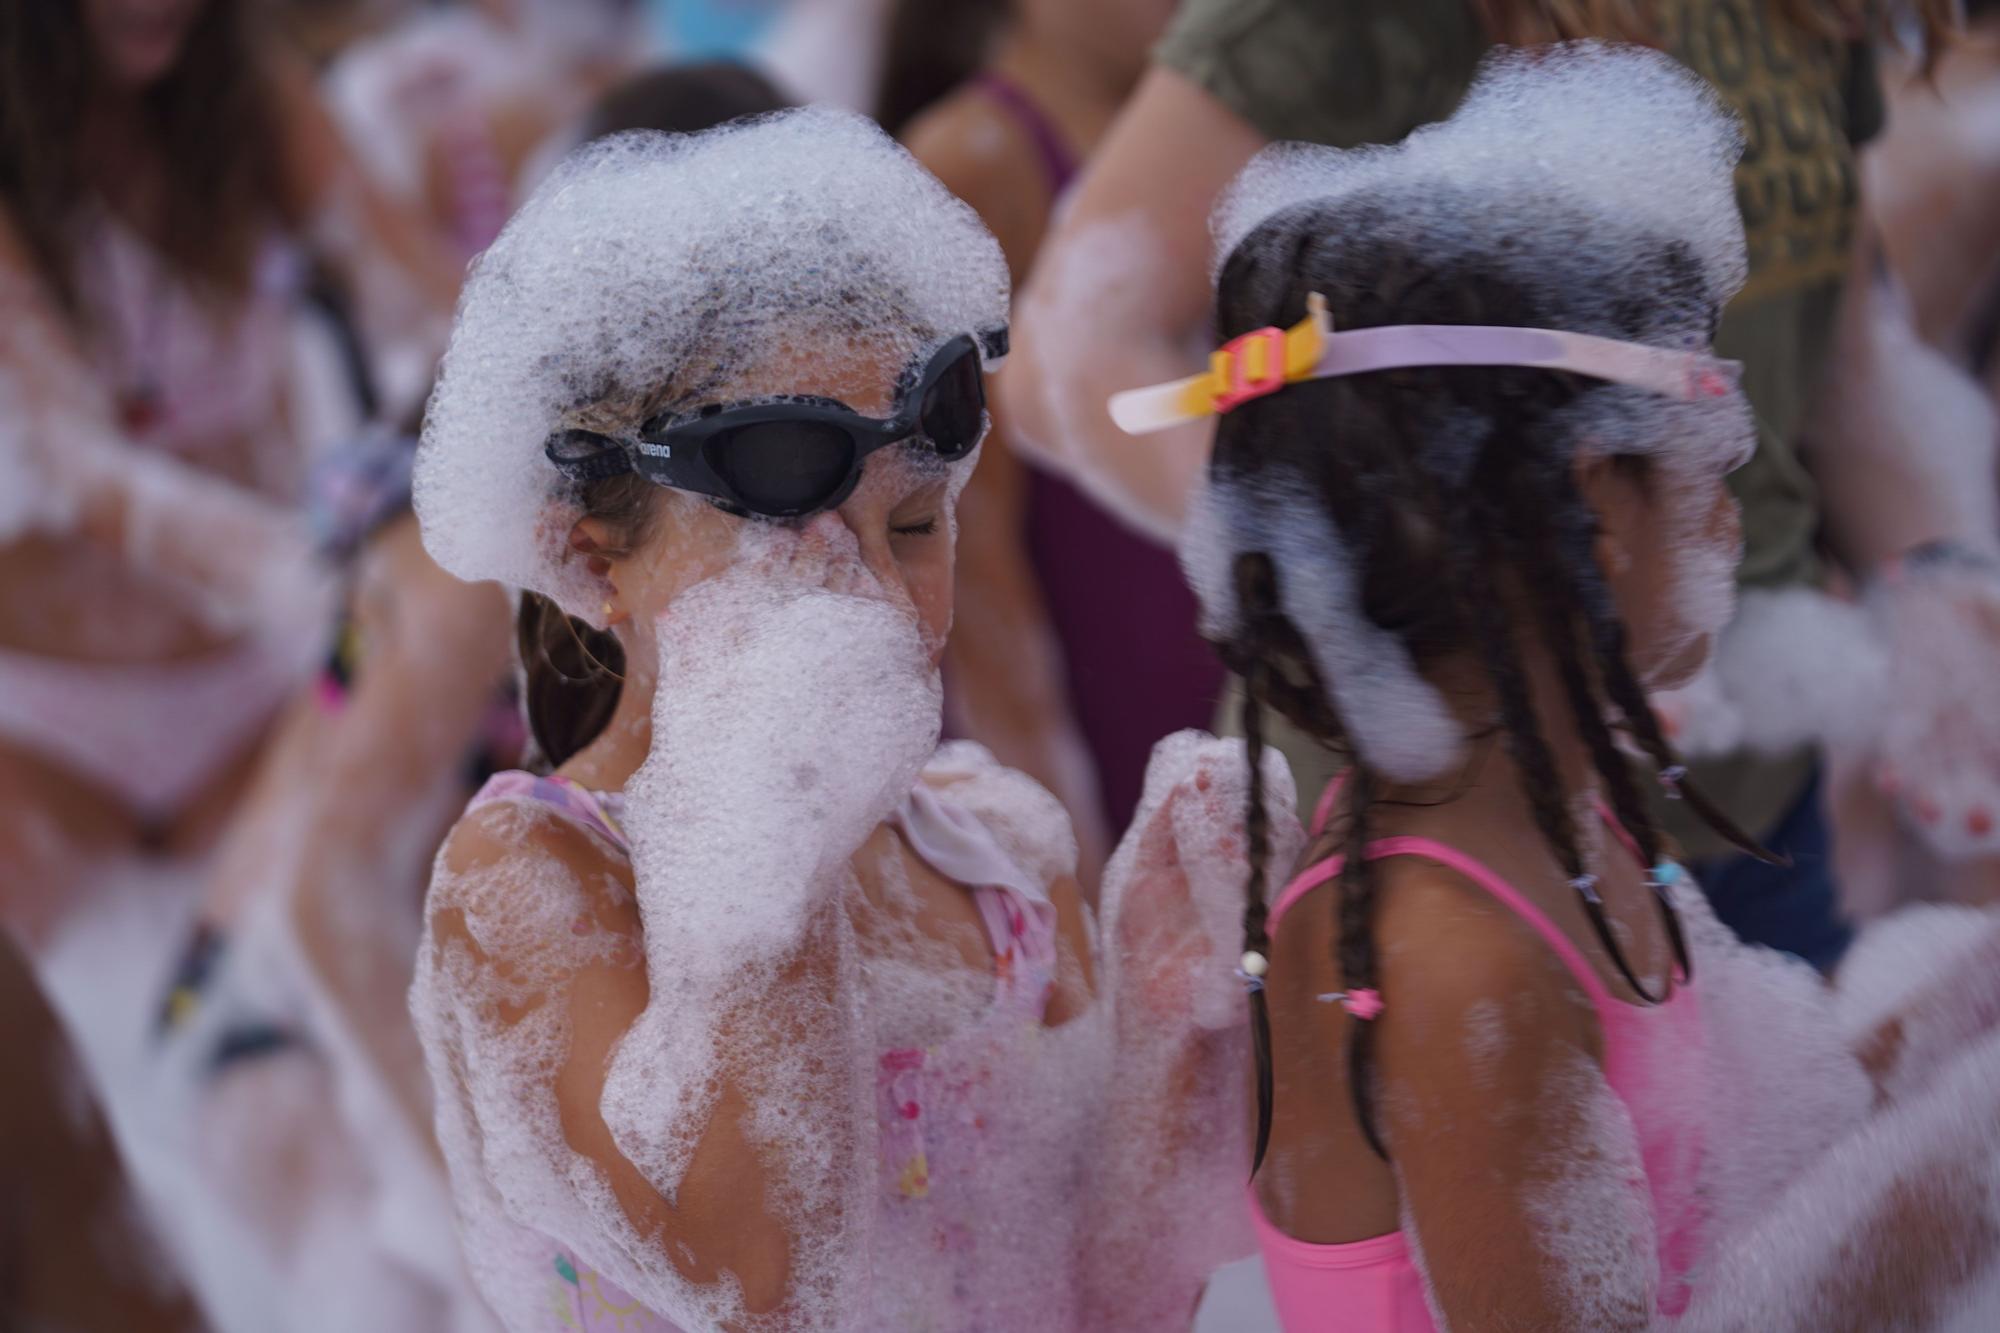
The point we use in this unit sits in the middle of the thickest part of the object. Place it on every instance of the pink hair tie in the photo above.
(1363, 1004)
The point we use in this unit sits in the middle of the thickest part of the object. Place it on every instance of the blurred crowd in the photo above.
(239, 705)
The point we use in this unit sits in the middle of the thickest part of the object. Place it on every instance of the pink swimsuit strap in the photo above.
(1471, 868)
(558, 793)
(1374, 1284)
(1475, 870)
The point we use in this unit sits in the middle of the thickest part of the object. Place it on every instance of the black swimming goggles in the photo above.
(784, 457)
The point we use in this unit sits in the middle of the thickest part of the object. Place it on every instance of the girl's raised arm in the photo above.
(533, 1008)
(661, 1061)
(1175, 1153)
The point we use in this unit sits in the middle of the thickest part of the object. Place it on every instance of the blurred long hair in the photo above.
(213, 120)
(930, 47)
(1520, 22)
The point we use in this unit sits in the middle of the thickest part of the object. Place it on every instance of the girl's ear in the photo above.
(591, 539)
(1616, 496)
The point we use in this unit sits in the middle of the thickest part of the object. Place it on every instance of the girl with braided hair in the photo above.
(1465, 509)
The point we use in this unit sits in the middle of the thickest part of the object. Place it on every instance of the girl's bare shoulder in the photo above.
(1452, 958)
(516, 876)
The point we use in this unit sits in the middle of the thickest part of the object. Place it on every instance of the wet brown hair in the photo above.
(930, 47)
(1453, 492)
(213, 118)
(571, 672)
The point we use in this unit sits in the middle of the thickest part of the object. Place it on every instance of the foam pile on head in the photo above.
(653, 271)
(1592, 184)
(1620, 133)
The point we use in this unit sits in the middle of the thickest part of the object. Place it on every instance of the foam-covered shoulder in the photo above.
(515, 878)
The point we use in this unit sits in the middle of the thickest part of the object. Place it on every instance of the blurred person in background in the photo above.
(163, 172)
(1119, 295)
(451, 107)
(1920, 382)
(1073, 649)
(75, 1251)
(1933, 186)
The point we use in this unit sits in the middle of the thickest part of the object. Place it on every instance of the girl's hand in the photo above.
(796, 705)
(1940, 743)
(1174, 893)
(1919, 989)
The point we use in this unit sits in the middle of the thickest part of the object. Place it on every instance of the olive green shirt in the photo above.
(1347, 72)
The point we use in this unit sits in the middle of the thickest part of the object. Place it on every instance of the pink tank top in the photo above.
(1652, 1055)
(929, 1100)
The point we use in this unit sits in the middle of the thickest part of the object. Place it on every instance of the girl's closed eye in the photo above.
(924, 527)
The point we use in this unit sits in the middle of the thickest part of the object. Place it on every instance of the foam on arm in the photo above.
(1120, 297)
(65, 467)
(1522, 1189)
(530, 983)
(1175, 1152)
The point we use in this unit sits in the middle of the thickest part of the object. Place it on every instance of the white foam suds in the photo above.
(1614, 131)
(655, 267)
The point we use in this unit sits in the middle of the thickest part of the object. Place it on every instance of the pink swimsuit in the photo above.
(931, 1102)
(1652, 1055)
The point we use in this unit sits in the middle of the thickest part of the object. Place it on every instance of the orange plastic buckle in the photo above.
(1240, 382)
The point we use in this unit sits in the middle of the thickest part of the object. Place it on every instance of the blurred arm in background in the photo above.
(74, 1251)
(1902, 441)
(1120, 297)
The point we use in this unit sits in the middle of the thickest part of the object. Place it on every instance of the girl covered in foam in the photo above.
(760, 1011)
(1465, 508)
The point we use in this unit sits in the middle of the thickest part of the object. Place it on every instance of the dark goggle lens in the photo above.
(954, 408)
(783, 469)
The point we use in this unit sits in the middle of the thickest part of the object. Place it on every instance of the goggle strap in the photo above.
(611, 461)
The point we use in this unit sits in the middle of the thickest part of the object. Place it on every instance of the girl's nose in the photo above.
(830, 532)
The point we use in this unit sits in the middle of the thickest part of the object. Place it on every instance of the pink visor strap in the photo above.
(1686, 376)
(1676, 374)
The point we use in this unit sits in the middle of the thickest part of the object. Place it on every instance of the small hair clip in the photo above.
(1666, 875)
(1671, 778)
(1250, 971)
(1587, 886)
(1362, 1003)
